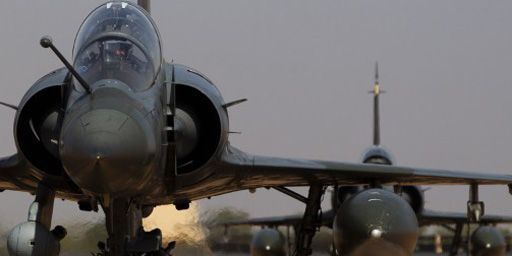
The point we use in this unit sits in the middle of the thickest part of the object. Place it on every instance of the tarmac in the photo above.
(241, 254)
(416, 254)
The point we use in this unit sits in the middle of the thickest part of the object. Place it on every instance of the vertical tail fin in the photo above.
(376, 118)
(376, 72)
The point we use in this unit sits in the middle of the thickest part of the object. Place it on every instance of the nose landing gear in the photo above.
(126, 236)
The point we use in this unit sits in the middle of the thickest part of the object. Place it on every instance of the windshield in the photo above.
(118, 41)
(377, 155)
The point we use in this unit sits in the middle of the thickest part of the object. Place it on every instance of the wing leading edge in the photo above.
(431, 217)
(17, 174)
(278, 221)
(262, 171)
(12, 170)
(427, 217)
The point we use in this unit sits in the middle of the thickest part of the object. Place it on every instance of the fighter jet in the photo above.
(121, 129)
(414, 195)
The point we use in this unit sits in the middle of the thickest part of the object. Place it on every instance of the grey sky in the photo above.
(306, 67)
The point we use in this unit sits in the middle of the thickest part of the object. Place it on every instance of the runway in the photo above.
(241, 254)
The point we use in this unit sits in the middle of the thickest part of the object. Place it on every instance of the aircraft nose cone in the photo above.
(107, 151)
(375, 217)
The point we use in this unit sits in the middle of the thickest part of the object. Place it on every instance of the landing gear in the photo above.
(126, 236)
(475, 207)
(310, 221)
(34, 238)
(312, 218)
(457, 240)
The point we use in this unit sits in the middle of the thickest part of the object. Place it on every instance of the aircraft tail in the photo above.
(376, 117)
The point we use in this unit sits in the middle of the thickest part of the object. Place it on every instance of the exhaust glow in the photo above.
(184, 227)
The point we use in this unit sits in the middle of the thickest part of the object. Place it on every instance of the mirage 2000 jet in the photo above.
(121, 129)
(268, 241)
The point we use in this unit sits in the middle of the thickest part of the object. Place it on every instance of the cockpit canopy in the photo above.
(118, 40)
(377, 155)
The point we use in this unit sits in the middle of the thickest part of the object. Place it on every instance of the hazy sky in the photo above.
(306, 67)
